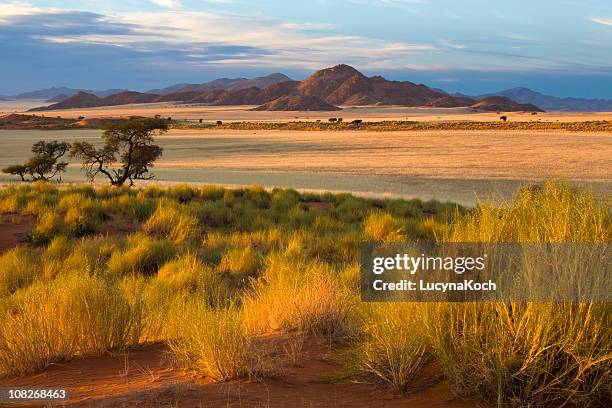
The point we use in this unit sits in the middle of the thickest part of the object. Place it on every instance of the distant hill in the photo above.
(344, 85)
(53, 94)
(341, 85)
(503, 104)
(296, 103)
(88, 100)
(127, 97)
(58, 98)
(227, 84)
(526, 95)
(452, 102)
(79, 100)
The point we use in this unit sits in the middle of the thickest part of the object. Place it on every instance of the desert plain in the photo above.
(464, 166)
(459, 166)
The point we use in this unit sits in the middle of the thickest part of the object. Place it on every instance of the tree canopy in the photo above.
(44, 164)
(127, 153)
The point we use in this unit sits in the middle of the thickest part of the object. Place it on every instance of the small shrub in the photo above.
(382, 227)
(188, 273)
(142, 255)
(18, 269)
(296, 295)
(217, 344)
(172, 221)
(240, 262)
(393, 346)
(48, 225)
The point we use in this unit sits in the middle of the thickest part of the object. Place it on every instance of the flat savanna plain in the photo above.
(529, 155)
(348, 113)
(451, 165)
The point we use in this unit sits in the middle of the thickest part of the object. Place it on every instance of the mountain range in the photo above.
(553, 103)
(228, 84)
(327, 89)
(54, 94)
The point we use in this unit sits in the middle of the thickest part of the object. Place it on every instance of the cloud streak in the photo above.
(602, 21)
(169, 4)
(167, 39)
(262, 41)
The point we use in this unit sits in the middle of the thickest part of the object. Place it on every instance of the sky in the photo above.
(559, 47)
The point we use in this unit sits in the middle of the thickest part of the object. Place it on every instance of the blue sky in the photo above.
(558, 47)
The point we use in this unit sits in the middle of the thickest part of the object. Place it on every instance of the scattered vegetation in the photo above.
(44, 164)
(212, 272)
(389, 126)
(127, 153)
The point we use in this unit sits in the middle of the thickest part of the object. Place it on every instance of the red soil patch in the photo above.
(14, 229)
(144, 377)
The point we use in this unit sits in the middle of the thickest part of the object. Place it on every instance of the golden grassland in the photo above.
(209, 270)
(461, 155)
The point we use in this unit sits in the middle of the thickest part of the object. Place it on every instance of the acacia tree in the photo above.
(44, 164)
(127, 153)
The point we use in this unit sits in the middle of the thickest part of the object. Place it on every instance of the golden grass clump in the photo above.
(526, 354)
(19, 267)
(529, 354)
(48, 225)
(240, 263)
(141, 255)
(299, 295)
(53, 321)
(172, 221)
(188, 273)
(216, 343)
(392, 345)
(382, 227)
(554, 212)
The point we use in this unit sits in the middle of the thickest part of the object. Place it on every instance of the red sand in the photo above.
(13, 229)
(145, 377)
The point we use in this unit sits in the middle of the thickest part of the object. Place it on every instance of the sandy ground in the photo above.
(527, 155)
(13, 230)
(242, 113)
(145, 377)
(460, 166)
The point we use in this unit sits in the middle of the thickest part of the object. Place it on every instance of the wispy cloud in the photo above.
(602, 21)
(263, 42)
(450, 44)
(169, 4)
(403, 4)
